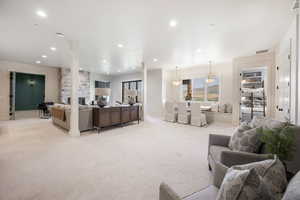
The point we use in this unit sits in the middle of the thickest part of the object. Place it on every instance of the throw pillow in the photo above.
(236, 134)
(264, 122)
(248, 142)
(257, 122)
(228, 108)
(271, 124)
(272, 172)
(245, 139)
(241, 185)
(215, 107)
(222, 108)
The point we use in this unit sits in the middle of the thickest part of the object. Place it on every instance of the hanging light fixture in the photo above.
(177, 81)
(210, 76)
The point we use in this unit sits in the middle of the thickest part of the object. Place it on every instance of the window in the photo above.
(199, 89)
(132, 89)
(102, 84)
(213, 90)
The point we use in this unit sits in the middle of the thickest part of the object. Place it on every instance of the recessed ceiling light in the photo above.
(107, 73)
(120, 45)
(44, 56)
(80, 69)
(155, 59)
(119, 70)
(38, 62)
(199, 51)
(41, 14)
(53, 48)
(104, 61)
(173, 23)
(60, 35)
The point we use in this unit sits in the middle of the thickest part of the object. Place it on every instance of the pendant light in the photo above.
(177, 81)
(210, 76)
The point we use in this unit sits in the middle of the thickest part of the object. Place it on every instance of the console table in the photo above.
(110, 116)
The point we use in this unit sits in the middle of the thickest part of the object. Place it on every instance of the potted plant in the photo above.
(279, 142)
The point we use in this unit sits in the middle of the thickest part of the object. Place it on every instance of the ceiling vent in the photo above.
(262, 51)
(295, 5)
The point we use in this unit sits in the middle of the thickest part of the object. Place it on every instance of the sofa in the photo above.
(292, 191)
(219, 150)
(61, 115)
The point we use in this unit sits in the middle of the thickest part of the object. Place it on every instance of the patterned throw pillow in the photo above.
(234, 140)
(267, 123)
(245, 139)
(241, 185)
(272, 173)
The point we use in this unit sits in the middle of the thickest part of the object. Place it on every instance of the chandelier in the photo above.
(177, 81)
(210, 76)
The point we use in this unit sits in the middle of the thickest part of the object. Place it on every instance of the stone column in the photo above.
(74, 120)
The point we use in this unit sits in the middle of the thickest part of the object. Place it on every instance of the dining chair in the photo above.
(170, 113)
(184, 116)
(198, 118)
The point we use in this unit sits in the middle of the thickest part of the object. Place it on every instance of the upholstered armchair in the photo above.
(170, 114)
(184, 117)
(219, 151)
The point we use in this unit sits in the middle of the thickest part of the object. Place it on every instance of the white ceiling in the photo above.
(240, 28)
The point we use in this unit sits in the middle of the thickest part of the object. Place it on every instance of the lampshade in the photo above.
(176, 82)
(131, 93)
(102, 91)
(210, 76)
(210, 79)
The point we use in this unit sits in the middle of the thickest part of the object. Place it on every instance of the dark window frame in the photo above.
(129, 82)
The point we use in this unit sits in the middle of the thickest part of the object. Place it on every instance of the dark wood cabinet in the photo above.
(134, 113)
(105, 117)
(125, 114)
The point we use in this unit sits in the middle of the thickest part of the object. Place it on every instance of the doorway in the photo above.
(28, 93)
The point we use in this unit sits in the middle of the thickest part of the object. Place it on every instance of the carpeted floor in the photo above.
(40, 161)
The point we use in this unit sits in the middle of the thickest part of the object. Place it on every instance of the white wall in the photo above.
(51, 82)
(287, 46)
(154, 92)
(222, 70)
(116, 84)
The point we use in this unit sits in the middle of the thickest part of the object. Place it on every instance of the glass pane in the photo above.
(126, 85)
(133, 85)
(198, 89)
(213, 90)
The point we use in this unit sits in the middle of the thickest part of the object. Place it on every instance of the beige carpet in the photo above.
(40, 161)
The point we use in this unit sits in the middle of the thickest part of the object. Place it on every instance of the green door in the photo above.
(30, 91)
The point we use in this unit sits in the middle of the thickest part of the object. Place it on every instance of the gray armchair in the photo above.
(208, 193)
(218, 151)
(211, 192)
